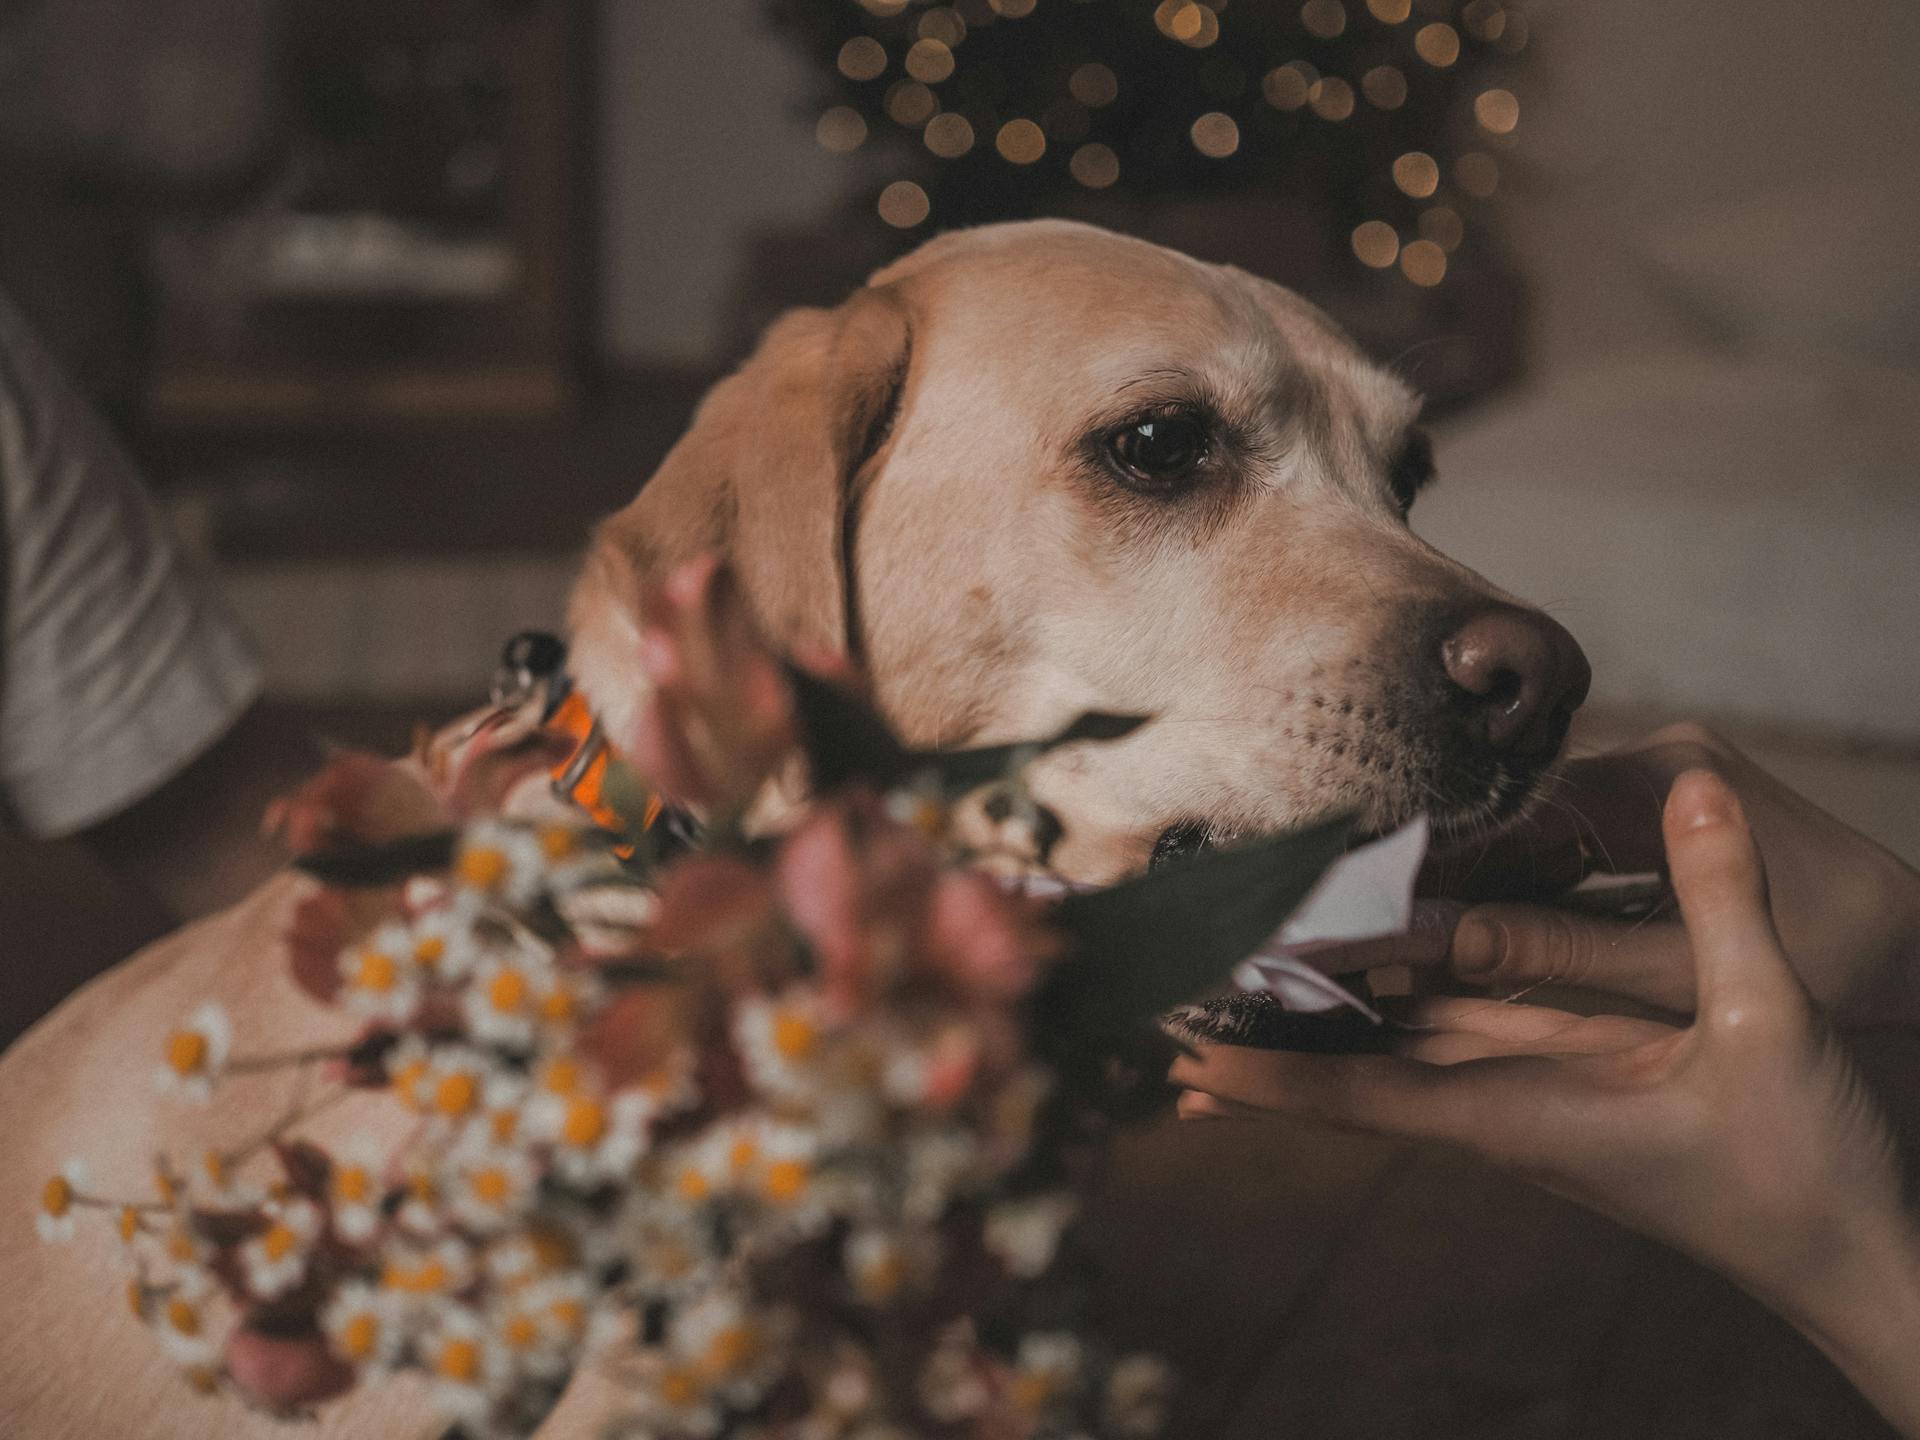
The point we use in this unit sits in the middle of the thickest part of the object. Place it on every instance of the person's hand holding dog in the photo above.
(1747, 1140)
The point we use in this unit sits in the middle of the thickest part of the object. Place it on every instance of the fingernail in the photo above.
(1700, 798)
(1479, 945)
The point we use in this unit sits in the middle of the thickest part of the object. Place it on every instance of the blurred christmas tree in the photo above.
(1378, 122)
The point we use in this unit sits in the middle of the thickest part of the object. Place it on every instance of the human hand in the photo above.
(1848, 912)
(1747, 1140)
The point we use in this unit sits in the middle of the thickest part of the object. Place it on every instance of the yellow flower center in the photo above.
(359, 1335)
(164, 1187)
(787, 1180)
(571, 1315)
(505, 1122)
(215, 1165)
(557, 1005)
(376, 971)
(455, 1094)
(561, 1077)
(137, 1299)
(743, 1154)
(129, 1223)
(693, 1186)
(794, 1036)
(56, 1196)
(277, 1244)
(731, 1350)
(557, 842)
(186, 1052)
(483, 867)
(459, 1361)
(585, 1123)
(491, 1185)
(181, 1247)
(352, 1185)
(203, 1380)
(429, 951)
(406, 1081)
(882, 1279)
(428, 1277)
(507, 991)
(183, 1317)
(521, 1332)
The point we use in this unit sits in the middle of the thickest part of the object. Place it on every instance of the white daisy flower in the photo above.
(445, 1083)
(220, 1187)
(504, 863)
(782, 1042)
(1046, 1370)
(275, 1261)
(502, 1116)
(469, 1367)
(671, 1250)
(355, 1189)
(564, 997)
(1025, 1233)
(501, 1005)
(378, 980)
(366, 1327)
(425, 1275)
(594, 1138)
(184, 1319)
(880, 1264)
(545, 1324)
(442, 948)
(54, 1217)
(737, 1351)
(487, 1186)
(195, 1054)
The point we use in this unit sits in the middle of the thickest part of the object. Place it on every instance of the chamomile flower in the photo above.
(220, 1184)
(671, 1251)
(54, 1217)
(543, 1325)
(488, 1186)
(423, 1210)
(365, 1326)
(737, 1350)
(526, 1256)
(442, 948)
(674, 1087)
(195, 1054)
(469, 1367)
(275, 1261)
(183, 1319)
(502, 1116)
(428, 1275)
(355, 1190)
(1139, 1391)
(378, 980)
(1025, 1233)
(1046, 1371)
(445, 1083)
(786, 1176)
(563, 998)
(781, 1042)
(503, 863)
(880, 1264)
(501, 1005)
(594, 1138)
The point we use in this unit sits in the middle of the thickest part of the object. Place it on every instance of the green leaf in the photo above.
(1172, 935)
(370, 866)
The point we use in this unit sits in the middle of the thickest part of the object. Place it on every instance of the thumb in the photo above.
(1718, 878)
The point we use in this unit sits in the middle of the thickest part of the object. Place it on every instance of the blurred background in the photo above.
(393, 298)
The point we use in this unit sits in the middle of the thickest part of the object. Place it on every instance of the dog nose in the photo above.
(1522, 676)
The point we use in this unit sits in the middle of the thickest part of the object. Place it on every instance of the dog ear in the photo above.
(765, 475)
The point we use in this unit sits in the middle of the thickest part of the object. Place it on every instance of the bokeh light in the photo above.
(904, 204)
(1497, 111)
(1021, 141)
(862, 58)
(1094, 85)
(929, 61)
(841, 130)
(1324, 19)
(1376, 244)
(911, 103)
(1417, 174)
(1442, 225)
(1385, 86)
(1423, 262)
(943, 25)
(1013, 9)
(1390, 12)
(1331, 98)
(948, 135)
(1287, 85)
(1095, 166)
(1438, 44)
(1215, 135)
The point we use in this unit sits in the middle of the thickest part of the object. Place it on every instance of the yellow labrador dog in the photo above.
(1028, 471)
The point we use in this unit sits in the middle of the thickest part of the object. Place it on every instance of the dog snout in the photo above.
(1517, 676)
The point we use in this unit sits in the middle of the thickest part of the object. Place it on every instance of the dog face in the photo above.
(1039, 469)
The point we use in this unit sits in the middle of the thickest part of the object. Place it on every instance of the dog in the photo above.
(1028, 471)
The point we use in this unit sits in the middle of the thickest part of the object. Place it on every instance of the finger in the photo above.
(1513, 945)
(1425, 942)
(1472, 1105)
(1743, 975)
(1450, 1032)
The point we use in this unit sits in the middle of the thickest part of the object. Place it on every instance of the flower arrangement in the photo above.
(783, 1118)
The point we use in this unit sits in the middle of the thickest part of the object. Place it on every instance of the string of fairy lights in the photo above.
(907, 75)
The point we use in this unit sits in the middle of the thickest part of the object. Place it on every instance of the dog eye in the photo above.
(1159, 452)
(1412, 469)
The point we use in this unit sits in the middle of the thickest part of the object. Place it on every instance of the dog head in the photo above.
(1037, 469)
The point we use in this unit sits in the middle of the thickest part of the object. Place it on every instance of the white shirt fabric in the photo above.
(118, 665)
